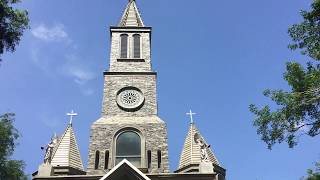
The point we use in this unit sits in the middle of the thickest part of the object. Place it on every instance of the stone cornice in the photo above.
(129, 73)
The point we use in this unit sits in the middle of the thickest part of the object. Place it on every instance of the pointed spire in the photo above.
(66, 154)
(191, 152)
(131, 16)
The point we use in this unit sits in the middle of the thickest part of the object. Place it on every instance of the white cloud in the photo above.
(39, 61)
(88, 92)
(72, 65)
(56, 33)
(81, 76)
(51, 122)
(73, 68)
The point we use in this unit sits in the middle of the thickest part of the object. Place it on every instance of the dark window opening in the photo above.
(96, 163)
(159, 159)
(124, 46)
(136, 46)
(149, 158)
(106, 160)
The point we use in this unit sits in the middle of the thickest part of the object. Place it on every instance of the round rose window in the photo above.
(130, 98)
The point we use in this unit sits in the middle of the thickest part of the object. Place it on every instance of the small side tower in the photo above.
(197, 156)
(62, 155)
(66, 159)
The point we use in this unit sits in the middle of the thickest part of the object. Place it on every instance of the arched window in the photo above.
(106, 159)
(136, 46)
(124, 46)
(128, 146)
(96, 162)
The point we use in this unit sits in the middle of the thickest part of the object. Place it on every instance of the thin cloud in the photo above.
(70, 65)
(56, 33)
(88, 92)
(73, 68)
(51, 123)
(81, 76)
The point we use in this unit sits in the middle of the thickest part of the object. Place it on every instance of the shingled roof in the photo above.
(131, 16)
(191, 153)
(66, 153)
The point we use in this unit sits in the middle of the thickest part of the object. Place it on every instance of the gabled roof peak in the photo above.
(131, 16)
(125, 168)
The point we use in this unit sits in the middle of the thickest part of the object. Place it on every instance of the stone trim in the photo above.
(130, 60)
(130, 28)
(129, 73)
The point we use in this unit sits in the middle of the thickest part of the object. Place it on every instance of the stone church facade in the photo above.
(129, 140)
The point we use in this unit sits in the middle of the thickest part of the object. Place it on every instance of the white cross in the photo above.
(191, 115)
(71, 114)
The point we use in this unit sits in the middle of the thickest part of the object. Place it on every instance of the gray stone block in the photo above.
(206, 167)
(45, 170)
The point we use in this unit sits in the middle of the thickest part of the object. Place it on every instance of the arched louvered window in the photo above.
(136, 46)
(124, 46)
(106, 159)
(149, 158)
(96, 162)
(128, 146)
(159, 159)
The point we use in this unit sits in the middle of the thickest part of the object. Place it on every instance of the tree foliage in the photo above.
(298, 110)
(13, 23)
(306, 35)
(313, 174)
(9, 169)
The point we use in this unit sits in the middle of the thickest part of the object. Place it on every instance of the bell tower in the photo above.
(129, 127)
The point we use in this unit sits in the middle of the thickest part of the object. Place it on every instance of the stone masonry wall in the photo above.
(153, 137)
(113, 83)
(129, 66)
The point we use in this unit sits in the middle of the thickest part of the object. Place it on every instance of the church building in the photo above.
(129, 140)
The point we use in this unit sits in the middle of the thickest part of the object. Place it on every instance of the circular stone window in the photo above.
(130, 98)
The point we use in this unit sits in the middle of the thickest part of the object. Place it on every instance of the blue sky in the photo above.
(215, 57)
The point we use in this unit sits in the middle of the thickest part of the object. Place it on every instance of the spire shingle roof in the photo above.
(131, 16)
(66, 153)
(191, 152)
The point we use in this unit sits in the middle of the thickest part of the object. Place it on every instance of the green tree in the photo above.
(313, 174)
(298, 110)
(13, 23)
(9, 169)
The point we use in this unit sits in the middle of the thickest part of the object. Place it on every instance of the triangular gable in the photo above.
(125, 170)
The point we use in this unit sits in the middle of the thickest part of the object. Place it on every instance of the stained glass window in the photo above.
(128, 146)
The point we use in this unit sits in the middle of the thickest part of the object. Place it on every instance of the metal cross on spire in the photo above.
(190, 113)
(71, 114)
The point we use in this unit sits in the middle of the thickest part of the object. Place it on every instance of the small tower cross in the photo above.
(190, 113)
(71, 114)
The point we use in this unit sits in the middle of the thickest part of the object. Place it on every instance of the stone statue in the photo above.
(49, 149)
(203, 148)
